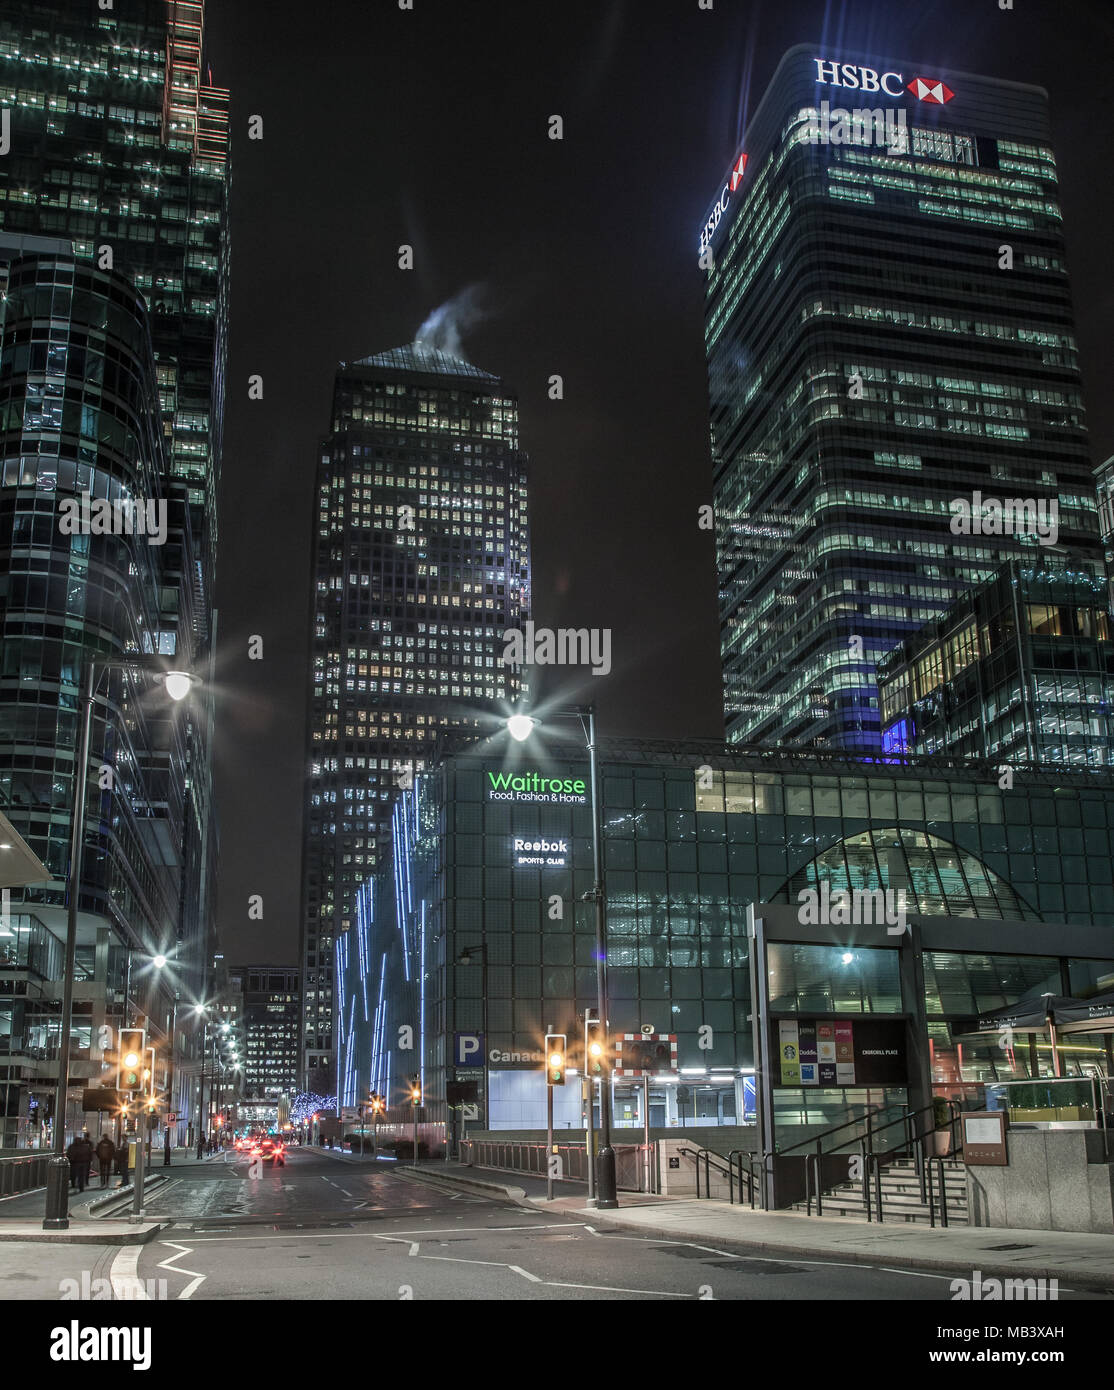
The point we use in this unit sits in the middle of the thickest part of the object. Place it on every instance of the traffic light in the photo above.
(555, 1050)
(415, 1091)
(132, 1050)
(594, 1059)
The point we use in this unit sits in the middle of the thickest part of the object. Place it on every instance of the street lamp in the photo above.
(465, 958)
(58, 1173)
(520, 726)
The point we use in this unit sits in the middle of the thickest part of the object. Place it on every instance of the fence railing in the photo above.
(23, 1174)
(636, 1167)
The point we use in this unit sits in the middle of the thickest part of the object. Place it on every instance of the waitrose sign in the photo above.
(533, 787)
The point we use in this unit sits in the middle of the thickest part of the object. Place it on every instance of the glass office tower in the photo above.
(420, 564)
(118, 158)
(890, 352)
(1020, 671)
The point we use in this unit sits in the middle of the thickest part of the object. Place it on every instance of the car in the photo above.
(269, 1150)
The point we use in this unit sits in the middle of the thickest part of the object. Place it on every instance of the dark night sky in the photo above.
(428, 127)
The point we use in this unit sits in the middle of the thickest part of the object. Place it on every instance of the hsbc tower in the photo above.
(889, 331)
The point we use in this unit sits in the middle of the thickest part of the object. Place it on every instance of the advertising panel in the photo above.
(789, 1052)
(841, 1052)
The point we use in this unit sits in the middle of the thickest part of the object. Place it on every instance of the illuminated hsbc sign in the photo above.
(893, 84)
(734, 179)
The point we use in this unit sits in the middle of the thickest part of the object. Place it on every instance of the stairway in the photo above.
(901, 1196)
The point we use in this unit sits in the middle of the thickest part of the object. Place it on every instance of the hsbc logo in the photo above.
(930, 89)
(734, 179)
(927, 89)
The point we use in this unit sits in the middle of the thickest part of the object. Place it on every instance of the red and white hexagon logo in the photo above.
(930, 89)
(737, 173)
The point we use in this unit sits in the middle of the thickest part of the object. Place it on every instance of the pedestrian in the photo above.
(106, 1152)
(122, 1156)
(80, 1154)
(88, 1150)
(201, 1144)
(72, 1153)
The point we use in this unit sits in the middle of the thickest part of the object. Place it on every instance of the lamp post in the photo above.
(520, 726)
(178, 684)
(160, 962)
(465, 958)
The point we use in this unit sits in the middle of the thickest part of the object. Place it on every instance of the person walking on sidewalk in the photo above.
(122, 1156)
(80, 1154)
(106, 1152)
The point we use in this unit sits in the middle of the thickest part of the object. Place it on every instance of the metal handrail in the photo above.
(939, 1160)
(717, 1161)
(824, 1134)
(750, 1157)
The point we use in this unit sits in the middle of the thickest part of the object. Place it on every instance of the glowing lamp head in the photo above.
(555, 1059)
(595, 1049)
(521, 726)
(178, 684)
(159, 961)
(131, 1059)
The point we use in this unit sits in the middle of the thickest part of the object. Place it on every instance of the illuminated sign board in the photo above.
(719, 207)
(533, 787)
(540, 853)
(893, 84)
(839, 1052)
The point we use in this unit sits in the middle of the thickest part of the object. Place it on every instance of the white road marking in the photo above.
(196, 1280)
(762, 1258)
(553, 1283)
(126, 1283)
(615, 1288)
(374, 1235)
(414, 1247)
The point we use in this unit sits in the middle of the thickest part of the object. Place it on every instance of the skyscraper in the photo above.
(420, 564)
(113, 226)
(891, 361)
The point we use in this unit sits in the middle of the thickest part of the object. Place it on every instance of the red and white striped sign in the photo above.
(645, 1054)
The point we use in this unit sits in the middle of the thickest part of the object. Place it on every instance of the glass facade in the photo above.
(114, 232)
(888, 332)
(421, 563)
(271, 1025)
(1021, 671)
(455, 935)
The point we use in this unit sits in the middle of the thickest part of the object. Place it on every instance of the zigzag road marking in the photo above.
(197, 1279)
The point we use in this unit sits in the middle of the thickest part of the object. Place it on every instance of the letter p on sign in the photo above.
(469, 1047)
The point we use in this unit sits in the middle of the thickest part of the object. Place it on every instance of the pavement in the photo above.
(1080, 1258)
(21, 1215)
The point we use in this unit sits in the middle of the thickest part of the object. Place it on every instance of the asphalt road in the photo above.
(324, 1228)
